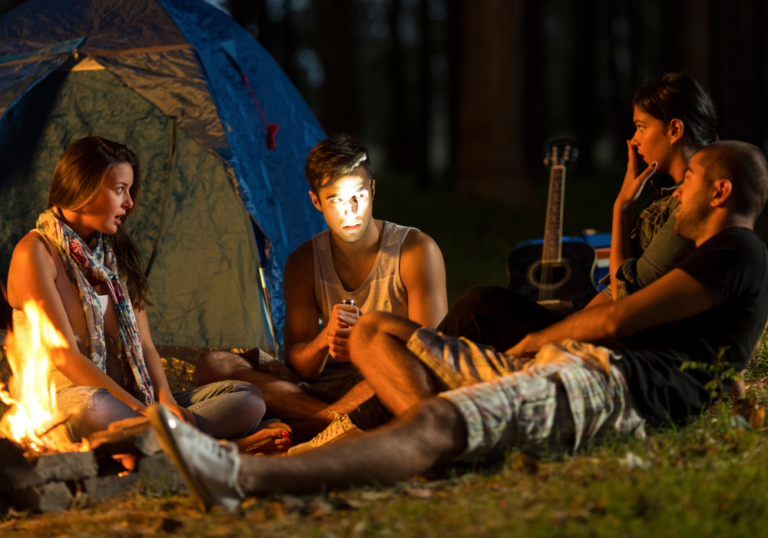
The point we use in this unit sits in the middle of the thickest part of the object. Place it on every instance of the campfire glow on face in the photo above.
(32, 420)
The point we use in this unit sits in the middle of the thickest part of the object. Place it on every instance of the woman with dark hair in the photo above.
(673, 117)
(81, 267)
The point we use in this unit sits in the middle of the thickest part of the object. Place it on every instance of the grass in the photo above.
(707, 479)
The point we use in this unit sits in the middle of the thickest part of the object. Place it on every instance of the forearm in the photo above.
(621, 248)
(82, 372)
(595, 323)
(308, 358)
(157, 375)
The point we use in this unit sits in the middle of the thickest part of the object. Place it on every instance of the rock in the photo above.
(131, 436)
(53, 497)
(66, 466)
(15, 471)
(106, 487)
(158, 476)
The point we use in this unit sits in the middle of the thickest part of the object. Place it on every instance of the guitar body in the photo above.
(570, 286)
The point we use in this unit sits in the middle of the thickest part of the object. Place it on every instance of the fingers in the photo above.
(643, 178)
(631, 159)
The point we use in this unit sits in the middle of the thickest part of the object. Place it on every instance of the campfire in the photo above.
(32, 422)
(40, 468)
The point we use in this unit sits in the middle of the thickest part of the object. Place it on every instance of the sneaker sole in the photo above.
(204, 499)
(299, 449)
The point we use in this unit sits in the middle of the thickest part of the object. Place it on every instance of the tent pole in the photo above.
(268, 309)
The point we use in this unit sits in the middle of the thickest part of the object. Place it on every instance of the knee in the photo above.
(438, 426)
(214, 366)
(252, 405)
(367, 329)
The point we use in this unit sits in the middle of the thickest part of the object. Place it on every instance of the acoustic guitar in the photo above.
(555, 274)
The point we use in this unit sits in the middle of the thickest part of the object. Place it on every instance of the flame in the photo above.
(33, 420)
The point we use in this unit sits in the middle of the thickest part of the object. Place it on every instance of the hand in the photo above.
(340, 325)
(527, 347)
(634, 182)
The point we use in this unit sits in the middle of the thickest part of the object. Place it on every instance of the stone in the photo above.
(15, 471)
(54, 497)
(62, 466)
(158, 476)
(131, 436)
(106, 487)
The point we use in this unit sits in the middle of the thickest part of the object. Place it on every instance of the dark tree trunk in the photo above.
(585, 97)
(400, 128)
(454, 53)
(735, 74)
(688, 25)
(338, 49)
(426, 91)
(490, 155)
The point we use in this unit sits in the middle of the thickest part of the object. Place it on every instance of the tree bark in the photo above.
(338, 49)
(490, 160)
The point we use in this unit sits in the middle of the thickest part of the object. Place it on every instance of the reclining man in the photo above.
(379, 265)
(610, 368)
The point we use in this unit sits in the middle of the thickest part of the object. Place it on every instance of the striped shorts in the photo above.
(568, 394)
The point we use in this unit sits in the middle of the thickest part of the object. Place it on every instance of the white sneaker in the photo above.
(209, 466)
(338, 429)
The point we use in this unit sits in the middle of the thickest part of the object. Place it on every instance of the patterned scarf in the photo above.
(80, 261)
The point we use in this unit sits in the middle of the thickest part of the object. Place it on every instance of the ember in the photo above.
(32, 421)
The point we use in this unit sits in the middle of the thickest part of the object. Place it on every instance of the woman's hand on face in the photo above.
(634, 182)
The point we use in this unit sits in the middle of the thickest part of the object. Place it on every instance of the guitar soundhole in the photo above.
(549, 275)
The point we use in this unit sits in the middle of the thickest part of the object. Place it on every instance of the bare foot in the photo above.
(272, 438)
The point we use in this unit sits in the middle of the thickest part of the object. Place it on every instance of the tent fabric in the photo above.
(193, 75)
(205, 277)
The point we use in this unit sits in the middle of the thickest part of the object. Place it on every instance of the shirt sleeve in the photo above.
(666, 249)
(725, 264)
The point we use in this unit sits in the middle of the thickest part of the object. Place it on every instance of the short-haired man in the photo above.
(613, 367)
(377, 265)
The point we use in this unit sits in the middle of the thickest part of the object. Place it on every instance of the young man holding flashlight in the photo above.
(376, 265)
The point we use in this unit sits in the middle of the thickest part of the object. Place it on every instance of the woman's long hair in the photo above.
(679, 96)
(77, 180)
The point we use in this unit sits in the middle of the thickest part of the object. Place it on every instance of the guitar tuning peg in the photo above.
(546, 160)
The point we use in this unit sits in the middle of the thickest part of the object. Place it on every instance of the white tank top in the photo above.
(382, 290)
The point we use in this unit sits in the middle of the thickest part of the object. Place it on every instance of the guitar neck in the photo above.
(553, 232)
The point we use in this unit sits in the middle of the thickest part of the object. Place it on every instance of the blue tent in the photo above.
(198, 99)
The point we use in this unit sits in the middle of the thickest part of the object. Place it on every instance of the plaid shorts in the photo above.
(568, 393)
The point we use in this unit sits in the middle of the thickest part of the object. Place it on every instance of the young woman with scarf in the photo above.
(81, 267)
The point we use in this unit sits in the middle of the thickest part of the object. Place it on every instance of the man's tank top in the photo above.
(70, 297)
(382, 290)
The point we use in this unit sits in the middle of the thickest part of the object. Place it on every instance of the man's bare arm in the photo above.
(422, 271)
(673, 297)
(306, 349)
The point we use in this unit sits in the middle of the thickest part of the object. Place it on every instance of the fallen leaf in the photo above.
(752, 411)
(633, 461)
(527, 464)
(376, 495)
(419, 493)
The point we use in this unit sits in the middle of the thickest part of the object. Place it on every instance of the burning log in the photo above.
(40, 469)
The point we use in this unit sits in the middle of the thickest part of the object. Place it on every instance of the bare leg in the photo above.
(306, 429)
(378, 348)
(430, 433)
(283, 399)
